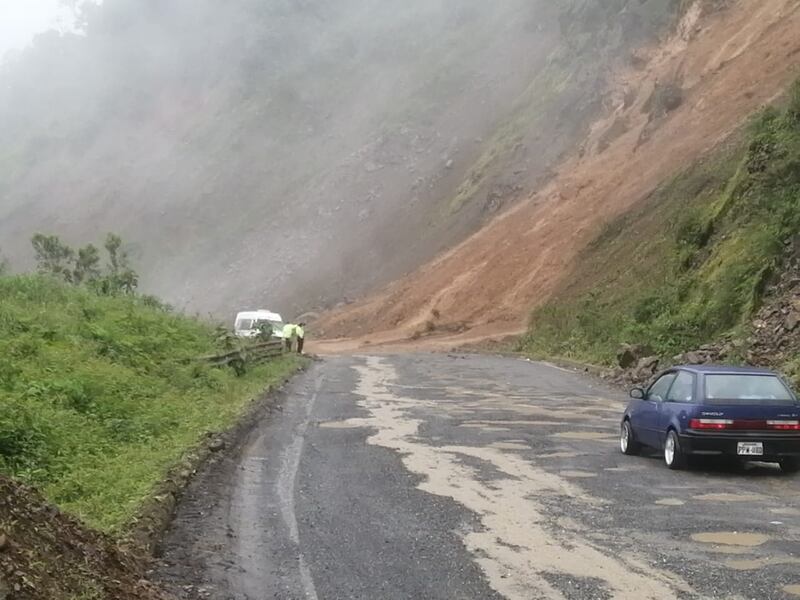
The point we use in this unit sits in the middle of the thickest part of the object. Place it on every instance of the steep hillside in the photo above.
(672, 104)
(284, 153)
(693, 262)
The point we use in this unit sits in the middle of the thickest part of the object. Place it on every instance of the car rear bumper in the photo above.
(775, 446)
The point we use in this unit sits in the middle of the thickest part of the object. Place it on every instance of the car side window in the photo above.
(658, 391)
(682, 389)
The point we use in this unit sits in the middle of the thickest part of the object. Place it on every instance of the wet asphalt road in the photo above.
(436, 476)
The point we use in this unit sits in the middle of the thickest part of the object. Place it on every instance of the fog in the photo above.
(282, 154)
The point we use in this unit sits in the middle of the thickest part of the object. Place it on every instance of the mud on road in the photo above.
(435, 476)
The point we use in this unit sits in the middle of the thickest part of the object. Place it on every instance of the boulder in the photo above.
(647, 365)
(791, 321)
(629, 354)
(696, 358)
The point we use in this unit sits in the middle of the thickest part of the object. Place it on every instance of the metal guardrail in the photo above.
(253, 354)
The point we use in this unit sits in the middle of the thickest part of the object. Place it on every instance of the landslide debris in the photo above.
(681, 99)
(47, 555)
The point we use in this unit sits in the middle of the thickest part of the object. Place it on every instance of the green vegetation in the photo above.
(82, 266)
(691, 264)
(101, 394)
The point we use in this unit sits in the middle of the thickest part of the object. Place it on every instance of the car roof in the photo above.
(258, 314)
(726, 369)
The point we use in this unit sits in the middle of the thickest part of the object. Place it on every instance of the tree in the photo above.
(121, 277)
(87, 265)
(53, 256)
(83, 267)
(127, 281)
(116, 256)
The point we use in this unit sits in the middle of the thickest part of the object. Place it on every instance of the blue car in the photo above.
(735, 412)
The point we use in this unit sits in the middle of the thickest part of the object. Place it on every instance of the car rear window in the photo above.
(746, 389)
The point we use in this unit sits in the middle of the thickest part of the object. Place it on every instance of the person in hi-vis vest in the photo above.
(289, 332)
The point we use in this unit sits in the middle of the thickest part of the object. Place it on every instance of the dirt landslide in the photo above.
(47, 555)
(670, 106)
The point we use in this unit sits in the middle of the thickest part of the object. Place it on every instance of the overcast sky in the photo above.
(20, 20)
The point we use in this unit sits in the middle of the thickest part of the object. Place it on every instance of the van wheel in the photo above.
(627, 443)
(673, 455)
(790, 465)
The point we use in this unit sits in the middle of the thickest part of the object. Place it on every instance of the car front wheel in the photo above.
(627, 443)
(673, 454)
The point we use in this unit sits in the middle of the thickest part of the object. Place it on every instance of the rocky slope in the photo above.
(673, 103)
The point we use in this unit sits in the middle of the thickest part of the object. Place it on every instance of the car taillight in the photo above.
(784, 425)
(710, 423)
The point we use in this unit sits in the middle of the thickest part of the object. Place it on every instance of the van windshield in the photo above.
(746, 389)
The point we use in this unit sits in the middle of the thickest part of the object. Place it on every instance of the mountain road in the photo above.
(465, 476)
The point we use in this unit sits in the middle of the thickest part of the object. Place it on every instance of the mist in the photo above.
(281, 154)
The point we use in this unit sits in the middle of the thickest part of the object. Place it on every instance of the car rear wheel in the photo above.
(673, 454)
(790, 465)
(627, 443)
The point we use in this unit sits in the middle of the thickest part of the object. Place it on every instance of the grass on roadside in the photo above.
(99, 396)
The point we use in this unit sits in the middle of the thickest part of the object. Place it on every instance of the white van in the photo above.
(250, 323)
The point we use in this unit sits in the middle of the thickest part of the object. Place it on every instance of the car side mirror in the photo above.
(638, 393)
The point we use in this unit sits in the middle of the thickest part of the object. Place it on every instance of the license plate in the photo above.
(750, 449)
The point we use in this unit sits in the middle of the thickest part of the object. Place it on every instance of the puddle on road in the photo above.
(723, 497)
(670, 502)
(754, 564)
(794, 590)
(583, 474)
(731, 538)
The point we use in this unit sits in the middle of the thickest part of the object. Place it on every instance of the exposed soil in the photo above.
(677, 102)
(47, 555)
